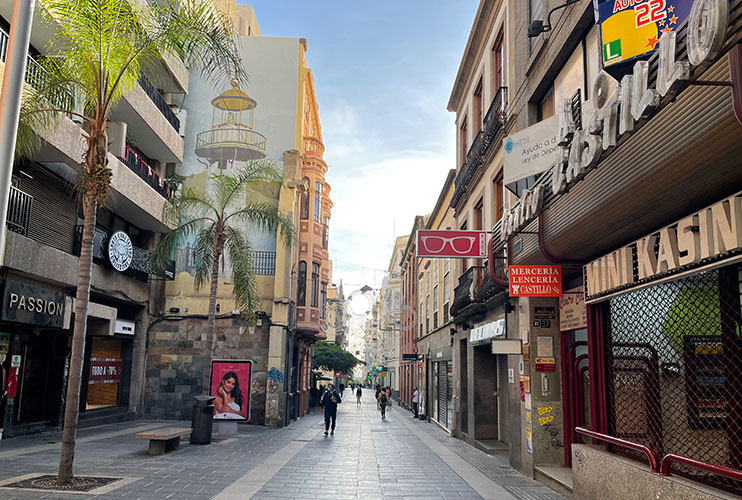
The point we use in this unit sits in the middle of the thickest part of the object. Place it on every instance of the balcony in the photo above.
(159, 101)
(463, 294)
(230, 143)
(19, 211)
(494, 123)
(313, 147)
(137, 165)
(264, 263)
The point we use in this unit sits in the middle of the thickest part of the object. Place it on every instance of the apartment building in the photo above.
(390, 314)
(41, 254)
(273, 117)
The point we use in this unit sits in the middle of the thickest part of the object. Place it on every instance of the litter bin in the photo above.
(202, 420)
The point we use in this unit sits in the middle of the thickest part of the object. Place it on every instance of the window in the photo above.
(464, 262)
(479, 105)
(305, 201)
(325, 235)
(498, 196)
(478, 226)
(323, 300)
(427, 313)
(498, 63)
(317, 201)
(464, 146)
(535, 10)
(315, 284)
(446, 294)
(301, 297)
(435, 307)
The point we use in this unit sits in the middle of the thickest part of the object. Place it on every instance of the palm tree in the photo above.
(215, 221)
(99, 50)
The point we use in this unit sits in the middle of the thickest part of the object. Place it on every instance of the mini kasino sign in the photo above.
(451, 244)
(535, 281)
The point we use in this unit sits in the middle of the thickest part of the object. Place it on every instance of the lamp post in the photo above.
(10, 102)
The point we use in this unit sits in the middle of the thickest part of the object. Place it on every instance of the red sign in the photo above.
(230, 385)
(452, 244)
(545, 365)
(535, 281)
(105, 371)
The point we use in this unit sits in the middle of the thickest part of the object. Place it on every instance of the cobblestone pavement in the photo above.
(367, 458)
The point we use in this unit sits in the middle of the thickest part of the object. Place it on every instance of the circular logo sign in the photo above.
(508, 145)
(120, 251)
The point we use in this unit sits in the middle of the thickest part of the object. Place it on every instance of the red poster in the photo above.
(104, 371)
(230, 385)
(452, 244)
(535, 281)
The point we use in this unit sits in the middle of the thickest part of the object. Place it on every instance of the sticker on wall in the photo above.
(528, 416)
(529, 442)
(529, 404)
(545, 419)
(520, 367)
(526, 383)
(545, 365)
(511, 376)
(545, 385)
(544, 347)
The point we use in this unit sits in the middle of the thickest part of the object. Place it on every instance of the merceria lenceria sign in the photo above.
(625, 109)
(712, 233)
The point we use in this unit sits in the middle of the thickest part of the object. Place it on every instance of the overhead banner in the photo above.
(530, 151)
(631, 29)
(535, 281)
(452, 244)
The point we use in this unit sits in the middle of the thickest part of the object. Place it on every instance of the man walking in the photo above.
(358, 396)
(415, 401)
(383, 402)
(330, 401)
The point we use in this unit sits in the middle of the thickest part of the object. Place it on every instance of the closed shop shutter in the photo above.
(443, 393)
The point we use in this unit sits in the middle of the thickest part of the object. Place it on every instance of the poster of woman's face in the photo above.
(230, 385)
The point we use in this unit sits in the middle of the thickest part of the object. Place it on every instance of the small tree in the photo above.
(97, 54)
(215, 221)
(330, 356)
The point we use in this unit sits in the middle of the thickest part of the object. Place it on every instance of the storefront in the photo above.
(441, 383)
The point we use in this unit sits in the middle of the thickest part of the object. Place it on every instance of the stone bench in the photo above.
(164, 440)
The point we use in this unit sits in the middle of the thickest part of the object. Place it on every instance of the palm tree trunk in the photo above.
(72, 401)
(212, 301)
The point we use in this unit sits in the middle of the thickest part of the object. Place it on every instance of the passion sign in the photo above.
(623, 110)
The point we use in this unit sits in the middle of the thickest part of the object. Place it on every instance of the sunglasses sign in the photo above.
(452, 244)
(535, 281)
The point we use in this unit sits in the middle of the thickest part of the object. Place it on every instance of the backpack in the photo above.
(383, 398)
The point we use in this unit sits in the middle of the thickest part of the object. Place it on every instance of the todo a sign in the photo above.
(535, 281)
(452, 244)
(104, 370)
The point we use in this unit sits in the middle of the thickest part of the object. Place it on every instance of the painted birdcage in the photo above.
(231, 138)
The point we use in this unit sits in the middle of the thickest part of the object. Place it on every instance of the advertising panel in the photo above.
(230, 385)
(35, 305)
(535, 281)
(631, 29)
(104, 370)
(530, 151)
(572, 310)
(452, 244)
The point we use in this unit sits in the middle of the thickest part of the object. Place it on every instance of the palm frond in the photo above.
(186, 229)
(189, 202)
(247, 296)
(268, 217)
(204, 250)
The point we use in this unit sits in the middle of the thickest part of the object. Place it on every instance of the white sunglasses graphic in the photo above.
(459, 244)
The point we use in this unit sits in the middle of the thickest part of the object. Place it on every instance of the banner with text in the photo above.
(452, 244)
(535, 281)
(530, 151)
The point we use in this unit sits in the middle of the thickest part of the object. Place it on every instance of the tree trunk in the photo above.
(72, 401)
(218, 248)
(95, 157)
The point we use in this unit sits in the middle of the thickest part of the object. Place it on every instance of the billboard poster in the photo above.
(230, 385)
(630, 29)
(452, 244)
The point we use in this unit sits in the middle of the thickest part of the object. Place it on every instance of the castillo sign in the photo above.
(452, 244)
(535, 281)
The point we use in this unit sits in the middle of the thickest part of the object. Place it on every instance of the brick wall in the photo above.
(176, 370)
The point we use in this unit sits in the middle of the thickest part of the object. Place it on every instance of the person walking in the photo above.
(378, 391)
(383, 401)
(389, 396)
(342, 389)
(358, 396)
(415, 403)
(330, 401)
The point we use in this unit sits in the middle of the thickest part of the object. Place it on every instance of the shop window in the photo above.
(103, 373)
(315, 284)
(301, 295)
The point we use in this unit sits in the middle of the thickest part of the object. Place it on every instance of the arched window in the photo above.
(301, 296)
(305, 200)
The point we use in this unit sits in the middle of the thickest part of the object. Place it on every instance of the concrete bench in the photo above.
(163, 440)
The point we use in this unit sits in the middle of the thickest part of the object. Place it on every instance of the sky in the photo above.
(383, 73)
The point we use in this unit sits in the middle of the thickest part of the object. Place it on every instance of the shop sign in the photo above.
(451, 244)
(382, 374)
(530, 151)
(104, 371)
(535, 281)
(625, 108)
(25, 303)
(485, 333)
(409, 357)
(572, 310)
(4, 343)
(712, 233)
(124, 327)
(545, 365)
(630, 29)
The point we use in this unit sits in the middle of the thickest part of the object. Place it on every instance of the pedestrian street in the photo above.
(367, 458)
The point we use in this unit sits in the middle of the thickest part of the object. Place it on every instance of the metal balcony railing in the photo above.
(137, 165)
(264, 263)
(19, 211)
(159, 101)
(3, 45)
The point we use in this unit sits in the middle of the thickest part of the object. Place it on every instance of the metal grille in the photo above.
(443, 393)
(674, 371)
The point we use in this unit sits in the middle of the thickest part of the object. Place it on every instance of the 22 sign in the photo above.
(650, 12)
